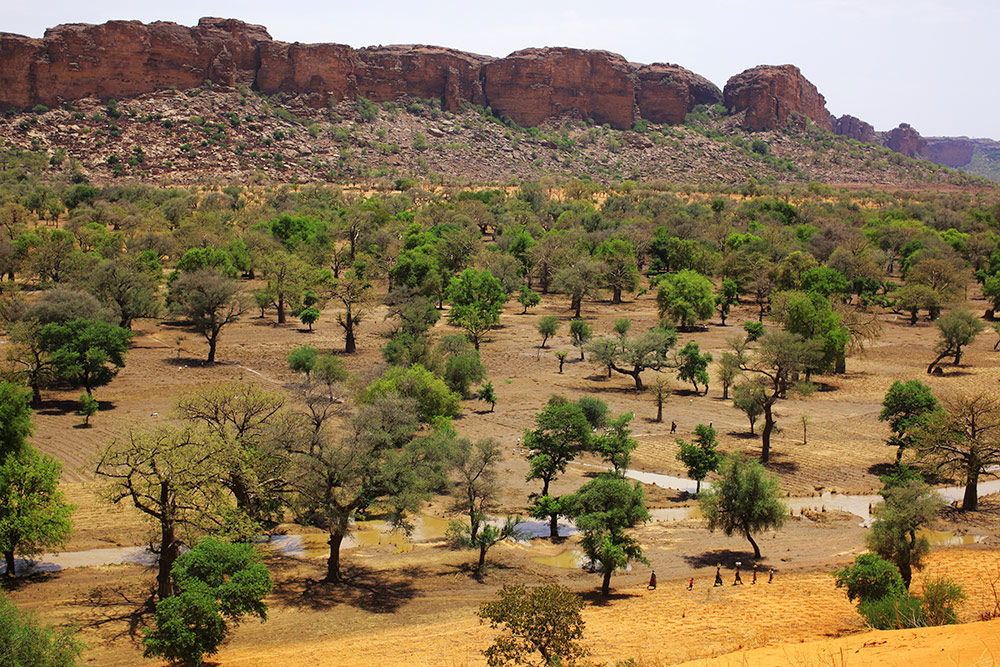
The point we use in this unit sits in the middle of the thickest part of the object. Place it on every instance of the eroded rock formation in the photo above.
(125, 58)
(855, 128)
(904, 139)
(952, 152)
(770, 95)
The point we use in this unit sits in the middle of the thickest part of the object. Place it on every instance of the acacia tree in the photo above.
(87, 353)
(963, 439)
(581, 279)
(687, 297)
(616, 444)
(958, 329)
(253, 431)
(373, 460)
(580, 333)
(906, 509)
(700, 457)
(477, 300)
(34, 516)
(604, 508)
(620, 270)
(749, 398)
(354, 291)
(561, 432)
(172, 476)
(692, 365)
(779, 359)
(906, 407)
(544, 620)
(632, 355)
(728, 372)
(547, 327)
(745, 500)
(211, 300)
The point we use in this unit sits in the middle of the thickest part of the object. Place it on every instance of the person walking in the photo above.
(770, 575)
(691, 584)
(673, 426)
(738, 581)
(754, 581)
(652, 582)
(718, 575)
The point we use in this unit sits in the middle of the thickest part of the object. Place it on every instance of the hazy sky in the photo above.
(931, 63)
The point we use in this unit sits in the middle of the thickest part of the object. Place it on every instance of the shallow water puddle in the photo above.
(567, 559)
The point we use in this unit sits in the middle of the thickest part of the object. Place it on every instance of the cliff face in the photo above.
(122, 58)
(854, 128)
(126, 58)
(668, 92)
(950, 151)
(770, 94)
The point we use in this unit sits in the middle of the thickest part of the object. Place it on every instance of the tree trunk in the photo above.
(36, 396)
(970, 501)
(349, 345)
(617, 298)
(577, 305)
(913, 317)
(482, 558)
(213, 339)
(659, 412)
(765, 436)
(756, 549)
(9, 558)
(697, 486)
(930, 369)
(606, 584)
(333, 560)
(281, 309)
(554, 525)
(958, 354)
(168, 553)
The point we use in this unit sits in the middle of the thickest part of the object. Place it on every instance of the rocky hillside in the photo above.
(237, 134)
(232, 78)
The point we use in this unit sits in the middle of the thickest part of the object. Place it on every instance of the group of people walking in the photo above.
(737, 580)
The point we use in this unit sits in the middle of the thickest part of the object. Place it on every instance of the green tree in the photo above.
(812, 317)
(477, 300)
(616, 444)
(595, 411)
(309, 315)
(85, 353)
(580, 333)
(869, 578)
(561, 356)
(434, 398)
(302, 359)
(579, 280)
(211, 300)
(744, 501)
(547, 328)
(913, 298)
(15, 418)
(545, 620)
(34, 516)
(130, 284)
(604, 508)
(528, 298)
(373, 460)
(621, 272)
(354, 292)
(728, 372)
(219, 584)
(750, 398)
(687, 297)
(647, 351)
(88, 407)
(700, 457)
(963, 440)
(24, 641)
(893, 534)
(659, 389)
(561, 432)
(726, 297)
(486, 393)
(330, 370)
(692, 365)
(778, 360)
(958, 328)
(31, 363)
(172, 475)
(462, 370)
(906, 407)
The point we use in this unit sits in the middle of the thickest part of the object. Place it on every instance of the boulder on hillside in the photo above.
(904, 139)
(771, 94)
(854, 128)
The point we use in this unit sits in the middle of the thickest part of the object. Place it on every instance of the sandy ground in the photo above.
(417, 607)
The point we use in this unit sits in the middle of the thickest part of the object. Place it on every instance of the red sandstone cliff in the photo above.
(668, 92)
(770, 95)
(124, 58)
(904, 139)
(855, 128)
(952, 152)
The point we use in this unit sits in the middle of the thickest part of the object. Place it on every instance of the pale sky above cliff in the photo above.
(931, 63)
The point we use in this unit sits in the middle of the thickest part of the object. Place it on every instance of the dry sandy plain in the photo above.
(416, 606)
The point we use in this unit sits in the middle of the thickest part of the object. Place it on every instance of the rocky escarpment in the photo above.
(950, 151)
(769, 96)
(128, 58)
(855, 128)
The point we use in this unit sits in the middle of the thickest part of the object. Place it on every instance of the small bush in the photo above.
(893, 613)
